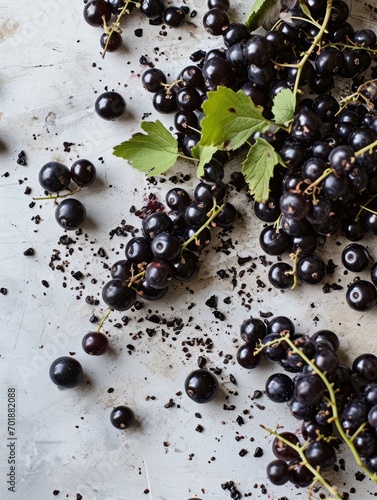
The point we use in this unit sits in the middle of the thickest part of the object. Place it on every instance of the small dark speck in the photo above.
(29, 251)
(258, 452)
(138, 32)
(219, 315)
(199, 428)
(243, 452)
(45, 283)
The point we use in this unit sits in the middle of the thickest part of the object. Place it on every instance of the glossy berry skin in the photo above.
(95, 10)
(246, 357)
(83, 172)
(159, 274)
(113, 44)
(355, 257)
(295, 205)
(122, 417)
(95, 343)
(165, 101)
(311, 269)
(153, 79)
(185, 268)
(361, 295)
(272, 242)
(277, 472)
(280, 325)
(283, 451)
(207, 193)
(66, 372)
(329, 62)
(165, 246)
(320, 454)
(70, 214)
(216, 21)
(279, 388)
(138, 250)
(328, 336)
(156, 223)
(226, 217)
(373, 274)
(268, 211)
(252, 330)
(365, 367)
(123, 270)
(147, 292)
(258, 50)
(201, 386)
(299, 475)
(152, 9)
(117, 5)
(280, 275)
(118, 295)
(177, 199)
(306, 126)
(309, 390)
(110, 106)
(196, 214)
(174, 17)
(54, 177)
(200, 242)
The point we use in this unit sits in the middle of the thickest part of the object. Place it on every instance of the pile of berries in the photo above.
(310, 360)
(55, 177)
(171, 241)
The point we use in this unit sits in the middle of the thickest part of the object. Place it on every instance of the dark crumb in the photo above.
(359, 476)
(199, 428)
(78, 496)
(212, 302)
(110, 390)
(260, 407)
(243, 260)
(198, 415)
(265, 315)
(138, 32)
(202, 362)
(240, 420)
(197, 56)
(93, 318)
(169, 404)
(29, 251)
(219, 315)
(78, 275)
(232, 379)
(27, 190)
(67, 149)
(193, 13)
(146, 491)
(330, 267)
(3, 291)
(326, 288)
(56, 493)
(242, 452)
(21, 160)
(154, 319)
(258, 452)
(257, 394)
(221, 273)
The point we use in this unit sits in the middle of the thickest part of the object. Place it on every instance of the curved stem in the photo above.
(310, 189)
(71, 192)
(104, 318)
(364, 207)
(315, 42)
(214, 212)
(366, 149)
(318, 478)
(294, 258)
(115, 26)
(136, 277)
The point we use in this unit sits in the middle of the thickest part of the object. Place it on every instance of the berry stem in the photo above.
(318, 478)
(104, 318)
(294, 258)
(214, 212)
(116, 25)
(366, 149)
(311, 188)
(315, 42)
(334, 407)
(58, 195)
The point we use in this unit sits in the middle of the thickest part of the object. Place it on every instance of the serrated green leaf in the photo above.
(231, 118)
(153, 152)
(258, 168)
(284, 106)
(263, 13)
(204, 155)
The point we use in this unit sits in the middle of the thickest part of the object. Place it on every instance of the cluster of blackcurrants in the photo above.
(98, 13)
(171, 243)
(55, 177)
(355, 391)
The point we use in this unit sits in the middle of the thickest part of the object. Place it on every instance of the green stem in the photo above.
(104, 318)
(187, 157)
(365, 207)
(311, 188)
(294, 258)
(334, 407)
(366, 149)
(347, 46)
(300, 450)
(58, 195)
(115, 26)
(315, 42)
(214, 212)
(136, 277)
(307, 20)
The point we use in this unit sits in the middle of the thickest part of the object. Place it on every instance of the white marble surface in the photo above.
(65, 442)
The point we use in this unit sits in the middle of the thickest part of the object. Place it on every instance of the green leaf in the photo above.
(153, 152)
(204, 154)
(304, 8)
(231, 118)
(264, 13)
(284, 106)
(258, 168)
